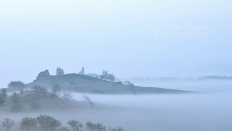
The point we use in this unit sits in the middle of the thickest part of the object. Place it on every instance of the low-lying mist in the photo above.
(207, 86)
(207, 111)
(192, 112)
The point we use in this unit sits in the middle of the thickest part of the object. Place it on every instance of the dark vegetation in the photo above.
(106, 83)
(39, 98)
(48, 123)
(16, 85)
(3, 96)
(36, 98)
(59, 71)
(53, 92)
(7, 123)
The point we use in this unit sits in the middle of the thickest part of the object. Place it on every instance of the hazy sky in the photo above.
(149, 38)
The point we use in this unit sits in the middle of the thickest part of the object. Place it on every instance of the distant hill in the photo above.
(220, 68)
(87, 84)
(215, 78)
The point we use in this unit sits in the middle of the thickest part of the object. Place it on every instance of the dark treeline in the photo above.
(32, 98)
(17, 102)
(48, 123)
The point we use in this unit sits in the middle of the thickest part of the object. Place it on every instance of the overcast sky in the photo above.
(130, 38)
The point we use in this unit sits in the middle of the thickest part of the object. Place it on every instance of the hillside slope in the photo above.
(87, 84)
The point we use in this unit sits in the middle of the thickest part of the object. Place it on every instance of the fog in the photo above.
(128, 38)
(193, 112)
(209, 110)
(208, 86)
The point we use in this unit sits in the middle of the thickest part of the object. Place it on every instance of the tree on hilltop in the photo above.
(59, 71)
(16, 85)
(106, 76)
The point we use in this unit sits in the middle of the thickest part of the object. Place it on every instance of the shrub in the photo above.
(28, 124)
(48, 123)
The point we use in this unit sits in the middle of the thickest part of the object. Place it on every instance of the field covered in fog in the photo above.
(206, 86)
(208, 111)
(115, 65)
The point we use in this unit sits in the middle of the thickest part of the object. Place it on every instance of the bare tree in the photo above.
(89, 100)
(90, 126)
(59, 71)
(7, 123)
(75, 125)
(131, 85)
(67, 95)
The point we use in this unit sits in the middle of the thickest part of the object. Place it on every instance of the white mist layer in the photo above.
(208, 111)
(192, 112)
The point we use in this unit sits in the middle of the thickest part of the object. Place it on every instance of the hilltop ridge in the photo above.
(87, 84)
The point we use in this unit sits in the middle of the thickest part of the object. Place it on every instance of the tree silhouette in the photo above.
(100, 127)
(89, 100)
(7, 123)
(28, 124)
(111, 77)
(48, 123)
(90, 126)
(75, 125)
(59, 71)
(3, 93)
(16, 84)
(39, 91)
(67, 95)
(106, 76)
